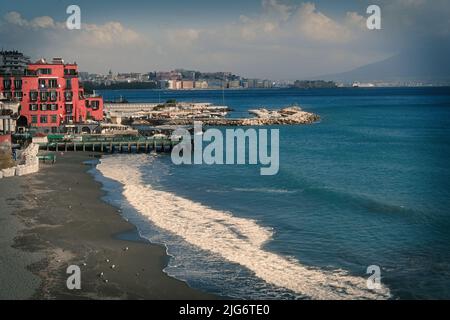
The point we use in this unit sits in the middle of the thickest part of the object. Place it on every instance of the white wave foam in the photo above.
(264, 190)
(235, 239)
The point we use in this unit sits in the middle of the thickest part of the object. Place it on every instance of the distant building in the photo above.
(267, 84)
(187, 84)
(216, 84)
(234, 84)
(201, 85)
(165, 76)
(251, 83)
(13, 63)
(84, 76)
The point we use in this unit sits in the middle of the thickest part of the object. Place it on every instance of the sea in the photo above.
(366, 188)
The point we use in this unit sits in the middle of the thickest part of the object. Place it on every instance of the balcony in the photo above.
(70, 73)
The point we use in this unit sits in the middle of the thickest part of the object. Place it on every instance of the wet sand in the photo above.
(56, 218)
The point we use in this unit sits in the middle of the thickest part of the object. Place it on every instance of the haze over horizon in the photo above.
(273, 39)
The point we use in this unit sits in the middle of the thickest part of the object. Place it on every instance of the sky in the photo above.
(273, 39)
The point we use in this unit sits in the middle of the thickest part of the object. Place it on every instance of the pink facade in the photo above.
(50, 95)
(5, 139)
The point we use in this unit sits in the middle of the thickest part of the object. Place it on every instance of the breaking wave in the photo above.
(237, 240)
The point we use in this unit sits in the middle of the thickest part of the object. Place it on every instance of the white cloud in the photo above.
(315, 25)
(15, 18)
(107, 34)
(182, 37)
(43, 22)
(276, 10)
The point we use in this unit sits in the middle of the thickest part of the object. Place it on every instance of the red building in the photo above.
(50, 95)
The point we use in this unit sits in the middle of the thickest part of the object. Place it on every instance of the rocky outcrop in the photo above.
(5, 152)
(29, 163)
(263, 117)
(286, 116)
(9, 172)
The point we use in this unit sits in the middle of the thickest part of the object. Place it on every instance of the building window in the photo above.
(18, 84)
(45, 71)
(53, 83)
(18, 95)
(54, 107)
(69, 108)
(33, 95)
(44, 119)
(70, 72)
(7, 95)
(53, 95)
(44, 107)
(68, 83)
(54, 118)
(43, 96)
(68, 95)
(7, 84)
(95, 104)
(41, 83)
(33, 107)
(86, 104)
(34, 119)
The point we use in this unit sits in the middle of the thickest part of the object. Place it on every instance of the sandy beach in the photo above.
(56, 218)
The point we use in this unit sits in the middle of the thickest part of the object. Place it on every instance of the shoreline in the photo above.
(57, 218)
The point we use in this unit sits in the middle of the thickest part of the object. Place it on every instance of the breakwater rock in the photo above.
(262, 117)
(29, 163)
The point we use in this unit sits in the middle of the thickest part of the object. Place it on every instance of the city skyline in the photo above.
(268, 39)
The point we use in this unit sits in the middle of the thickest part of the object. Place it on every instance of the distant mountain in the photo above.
(431, 64)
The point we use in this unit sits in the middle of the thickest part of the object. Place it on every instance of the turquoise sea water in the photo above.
(368, 185)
